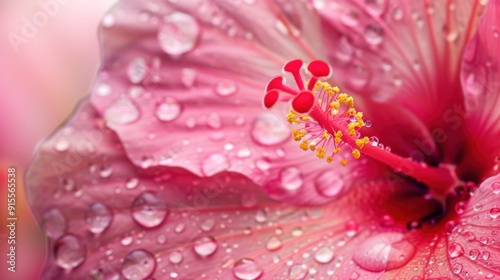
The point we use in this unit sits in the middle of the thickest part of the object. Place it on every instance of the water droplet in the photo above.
(247, 269)
(412, 225)
(484, 240)
(137, 70)
(455, 250)
(149, 210)
(69, 252)
(207, 225)
(374, 141)
(374, 34)
(273, 244)
(329, 183)
(323, 255)
(214, 164)
(457, 268)
(270, 129)
(205, 246)
(460, 207)
(225, 88)
(297, 272)
(131, 183)
(244, 153)
(175, 257)
(384, 251)
(123, 111)
(138, 265)
(349, 18)
(359, 76)
(168, 110)
(261, 216)
(397, 14)
(161, 239)
(470, 236)
(214, 121)
(98, 217)
(387, 221)
(263, 164)
(496, 187)
(249, 200)
(297, 231)
(291, 178)
(62, 145)
(473, 254)
(351, 227)
(105, 171)
(494, 212)
(178, 34)
(54, 223)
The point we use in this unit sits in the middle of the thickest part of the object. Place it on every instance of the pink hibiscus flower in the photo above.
(172, 168)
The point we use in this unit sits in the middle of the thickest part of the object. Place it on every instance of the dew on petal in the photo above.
(329, 183)
(131, 183)
(351, 227)
(175, 257)
(297, 271)
(494, 212)
(127, 240)
(137, 70)
(455, 250)
(178, 34)
(98, 217)
(205, 246)
(374, 34)
(457, 268)
(261, 216)
(247, 269)
(269, 129)
(121, 112)
(384, 251)
(168, 110)
(225, 88)
(273, 244)
(54, 223)
(496, 187)
(323, 255)
(474, 254)
(214, 164)
(291, 178)
(470, 236)
(149, 210)
(249, 200)
(69, 252)
(214, 121)
(138, 265)
(207, 225)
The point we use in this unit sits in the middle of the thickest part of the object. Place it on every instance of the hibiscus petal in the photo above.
(407, 52)
(481, 83)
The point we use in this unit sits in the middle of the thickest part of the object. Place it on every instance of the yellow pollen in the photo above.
(351, 112)
(325, 135)
(350, 101)
(304, 145)
(292, 118)
(336, 89)
(338, 136)
(335, 105)
(320, 153)
(312, 147)
(342, 97)
(306, 118)
(356, 154)
(320, 101)
(298, 134)
(336, 150)
(329, 159)
(343, 162)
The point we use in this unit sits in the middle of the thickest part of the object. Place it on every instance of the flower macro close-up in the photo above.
(280, 139)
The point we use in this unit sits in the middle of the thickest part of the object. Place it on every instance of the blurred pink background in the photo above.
(41, 80)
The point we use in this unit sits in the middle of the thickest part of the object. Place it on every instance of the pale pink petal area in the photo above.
(481, 83)
(407, 52)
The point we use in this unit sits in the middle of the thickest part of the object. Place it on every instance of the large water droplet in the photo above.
(473, 254)
(323, 255)
(291, 178)
(214, 164)
(54, 223)
(138, 265)
(297, 271)
(225, 88)
(455, 250)
(384, 251)
(205, 246)
(137, 70)
(178, 34)
(247, 269)
(98, 217)
(69, 252)
(269, 129)
(175, 257)
(329, 183)
(149, 210)
(168, 110)
(494, 212)
(374, 34)
(122, 111)
(273, 244)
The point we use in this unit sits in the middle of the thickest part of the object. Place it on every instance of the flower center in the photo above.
(327, 123)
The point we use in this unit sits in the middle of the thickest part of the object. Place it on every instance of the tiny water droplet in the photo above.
(374, 141)
(138, 265)
(291, 178)
(214, 164)
(485, 255)
(98, 217)
(149, 210)
(168, 110)
(127, 240)
(457, 268)
(178, 34)
(175, 257)
(269, 129)
(131, 183)
(374, 34)
(207, 225)
(469, 236)
(323, 255)
(413, 225)
(494, 212)
(474, 254)
(54, 223)
(261, 216)
(247, 269)
(329, 183)
(69, 252)
(214, 121)
(62, 145)
(225, 88)
(122, 112)
(455, 250)
(297, 271)
(249, 200)
(273, 244)
(137, 70)
(205, 246)
(351, 227)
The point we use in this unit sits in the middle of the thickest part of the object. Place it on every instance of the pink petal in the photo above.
(481, 83)
(407, 52)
